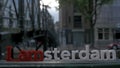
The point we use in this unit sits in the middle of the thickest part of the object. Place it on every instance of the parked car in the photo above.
(115, 45)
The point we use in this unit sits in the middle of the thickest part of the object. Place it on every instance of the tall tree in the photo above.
(89, 10)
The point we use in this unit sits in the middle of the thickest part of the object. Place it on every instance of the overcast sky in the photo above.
(52, 10)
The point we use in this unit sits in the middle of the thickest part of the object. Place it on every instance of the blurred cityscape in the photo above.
(24, 24)
(28, 24)
(76, 27)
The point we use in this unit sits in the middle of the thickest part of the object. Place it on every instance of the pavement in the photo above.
(61, 63)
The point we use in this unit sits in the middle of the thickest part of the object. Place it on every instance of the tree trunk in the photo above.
(92, 36)
(0, 53)
(46, 42)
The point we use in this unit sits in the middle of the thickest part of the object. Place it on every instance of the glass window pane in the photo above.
(77, 22)
(100, 35)
(106, 36)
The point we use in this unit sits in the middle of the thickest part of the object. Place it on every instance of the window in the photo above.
(106, 33)
(100, 33)
(117, 35)
(103, 33)
(77, 22)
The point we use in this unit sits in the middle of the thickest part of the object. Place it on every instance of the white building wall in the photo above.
(109, 17)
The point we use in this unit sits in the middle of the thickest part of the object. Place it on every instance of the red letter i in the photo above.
(9, 53)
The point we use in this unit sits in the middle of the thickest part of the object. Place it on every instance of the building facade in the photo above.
(107, 24)
(21, 14)
(73, 25)
(23, 21)
(72, 30)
